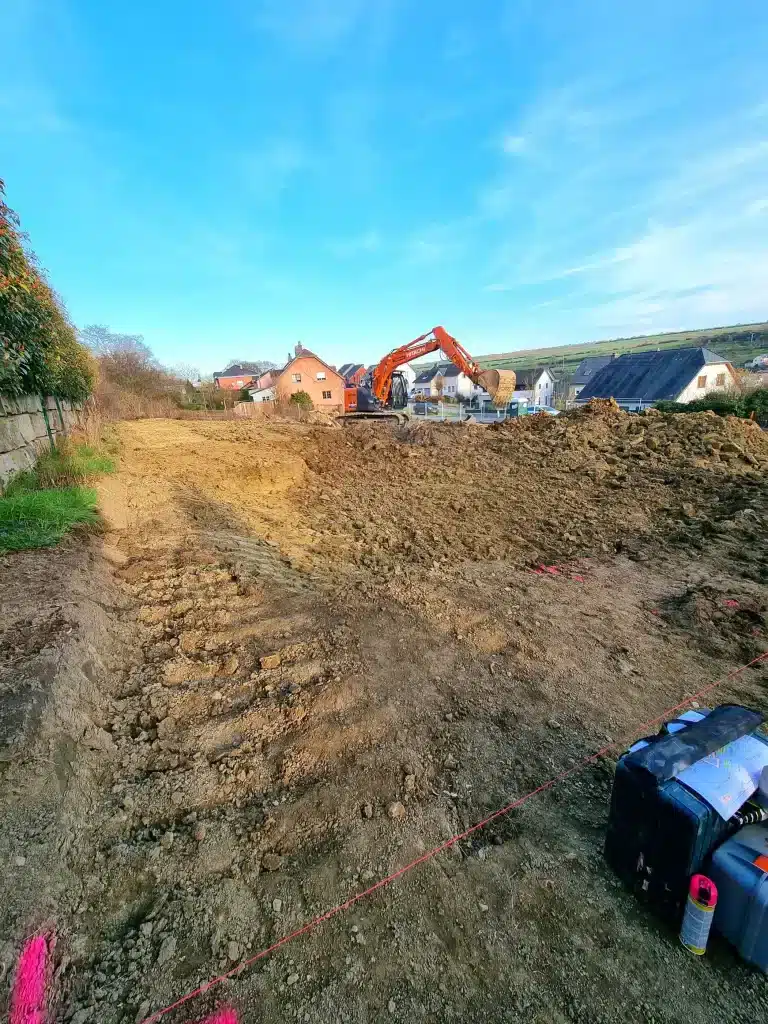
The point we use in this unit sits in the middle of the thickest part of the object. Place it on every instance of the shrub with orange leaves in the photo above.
(39, 350)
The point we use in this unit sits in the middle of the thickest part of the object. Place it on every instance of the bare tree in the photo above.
(125, 360)
(186, 371)
(254, 366)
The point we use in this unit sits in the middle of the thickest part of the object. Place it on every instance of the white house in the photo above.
(537, 387)
(263, 394)
(409, 373)
(638, 380)
(442, 380)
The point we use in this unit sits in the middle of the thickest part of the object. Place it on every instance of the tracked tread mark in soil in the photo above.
(203, 732)
(258, 559)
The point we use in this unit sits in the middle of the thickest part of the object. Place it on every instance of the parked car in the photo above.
(542, 408)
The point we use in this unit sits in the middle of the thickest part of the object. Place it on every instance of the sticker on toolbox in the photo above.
(726, 778)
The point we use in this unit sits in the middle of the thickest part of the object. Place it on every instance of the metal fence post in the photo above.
(47, 422)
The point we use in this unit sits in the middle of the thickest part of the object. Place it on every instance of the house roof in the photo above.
(350, 369)
(448, 370)
(526, 379)
(302, 354)
(588, 367)
(443, 369)
(426, 375)
(240, 370)
(648, 376)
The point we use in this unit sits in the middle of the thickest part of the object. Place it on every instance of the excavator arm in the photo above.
(499, 384)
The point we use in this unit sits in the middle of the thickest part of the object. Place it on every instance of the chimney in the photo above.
(299, 348)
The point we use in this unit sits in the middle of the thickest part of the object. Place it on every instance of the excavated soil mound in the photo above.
(537, 488)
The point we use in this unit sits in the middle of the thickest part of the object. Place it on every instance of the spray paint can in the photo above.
(699, 911)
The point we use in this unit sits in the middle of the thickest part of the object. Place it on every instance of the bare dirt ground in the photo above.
(302, 656)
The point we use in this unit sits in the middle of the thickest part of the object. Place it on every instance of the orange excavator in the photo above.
(384, 393)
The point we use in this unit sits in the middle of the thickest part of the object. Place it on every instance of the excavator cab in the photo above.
(361, 403)
(398, 395)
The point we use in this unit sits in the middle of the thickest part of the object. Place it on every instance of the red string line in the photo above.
(315, 921)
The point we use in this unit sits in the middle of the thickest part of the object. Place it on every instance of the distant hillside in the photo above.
(737, 344)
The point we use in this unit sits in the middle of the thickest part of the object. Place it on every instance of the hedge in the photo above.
(749, 404)
(40, 351)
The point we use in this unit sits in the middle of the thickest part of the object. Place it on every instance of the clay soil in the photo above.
(301, 656)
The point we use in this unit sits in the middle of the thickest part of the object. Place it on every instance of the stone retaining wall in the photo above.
(23, 431)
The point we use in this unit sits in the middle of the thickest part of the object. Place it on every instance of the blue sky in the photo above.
(228, 178)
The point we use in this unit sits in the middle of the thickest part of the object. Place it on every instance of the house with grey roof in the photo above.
(237, 376)
(637, 380)
(353, 373)
(584, 372)
(442, 379)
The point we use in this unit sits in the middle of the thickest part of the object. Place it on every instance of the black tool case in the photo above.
(659, 831)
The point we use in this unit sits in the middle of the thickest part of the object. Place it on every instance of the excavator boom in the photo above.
(500, 384)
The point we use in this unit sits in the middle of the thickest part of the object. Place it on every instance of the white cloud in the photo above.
(513, 144)
(435, 244)
(631, 227)
(309, 25)
(703, 271)
(357, 245)
(269, 170)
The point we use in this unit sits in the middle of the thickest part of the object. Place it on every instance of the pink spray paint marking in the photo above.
(28, 996)
(221, 1017)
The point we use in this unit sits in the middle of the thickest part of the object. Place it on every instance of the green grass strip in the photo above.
(39, 519)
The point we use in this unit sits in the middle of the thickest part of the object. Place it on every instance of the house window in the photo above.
(296, 378)
(326, 394)
(720, 380)
(321, 376)
(702, 381)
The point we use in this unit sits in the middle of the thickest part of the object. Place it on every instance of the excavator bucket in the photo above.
(500, 385)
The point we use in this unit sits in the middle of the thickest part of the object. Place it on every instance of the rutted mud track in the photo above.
(296, 629)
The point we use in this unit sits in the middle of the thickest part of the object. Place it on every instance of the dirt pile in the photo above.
(233, 740)
(537, 488)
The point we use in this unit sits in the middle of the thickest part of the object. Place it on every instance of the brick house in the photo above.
(237, 376)
(353, 373)
(267, 379)
(305, 372)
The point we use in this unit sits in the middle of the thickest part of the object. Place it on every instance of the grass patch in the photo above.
(40, 505)
(38, 519)
(64, 466)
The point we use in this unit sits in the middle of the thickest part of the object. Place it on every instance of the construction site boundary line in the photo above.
(382, 883)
